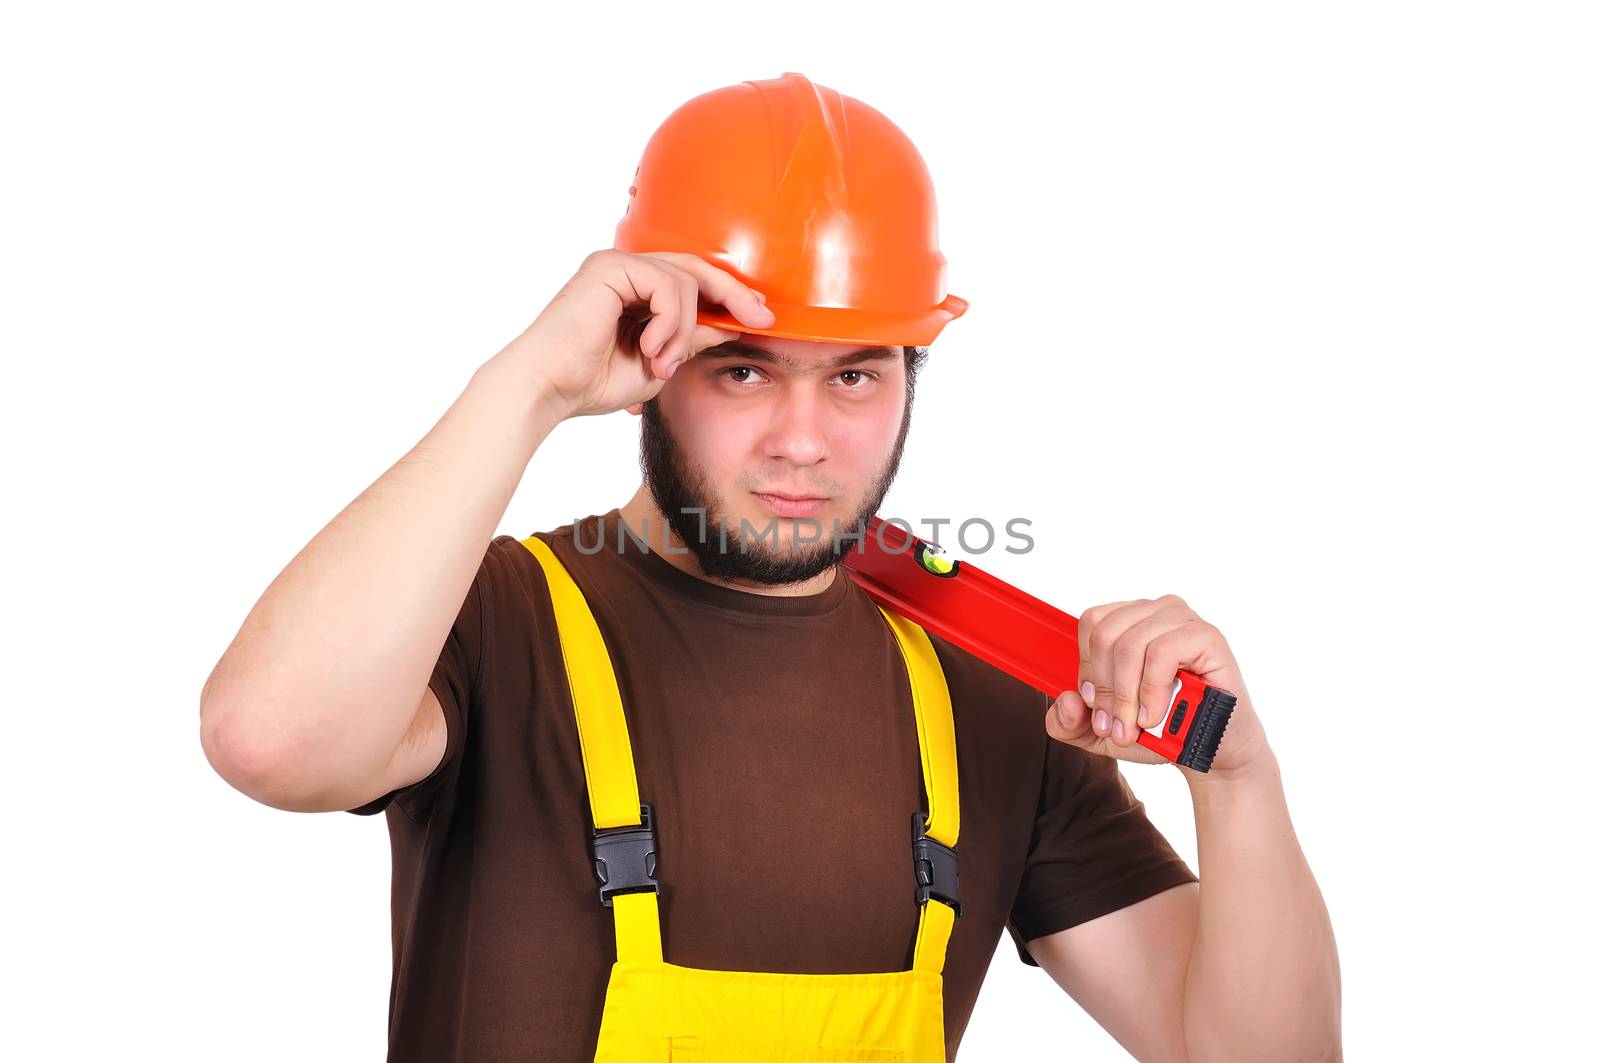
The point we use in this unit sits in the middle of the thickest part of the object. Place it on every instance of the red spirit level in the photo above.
(1018, 633)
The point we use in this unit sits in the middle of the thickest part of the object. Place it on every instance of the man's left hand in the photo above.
(1129, 653)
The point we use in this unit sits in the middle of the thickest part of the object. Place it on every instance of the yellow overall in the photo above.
(657, 1011)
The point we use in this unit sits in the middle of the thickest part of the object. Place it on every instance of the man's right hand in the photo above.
(623, 324)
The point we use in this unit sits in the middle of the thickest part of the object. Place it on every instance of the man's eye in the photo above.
(857, 382)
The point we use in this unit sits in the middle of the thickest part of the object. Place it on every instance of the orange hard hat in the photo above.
(812, 198)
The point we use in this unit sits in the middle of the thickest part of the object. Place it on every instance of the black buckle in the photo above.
(625, 857)
(936, 866)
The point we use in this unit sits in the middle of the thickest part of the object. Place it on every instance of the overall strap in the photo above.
(938, 893)
(607, 753)
(614, 794)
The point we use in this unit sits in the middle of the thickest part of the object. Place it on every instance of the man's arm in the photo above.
(1260, 973)
(1127, 969)
(320, 701)
(1241, 967)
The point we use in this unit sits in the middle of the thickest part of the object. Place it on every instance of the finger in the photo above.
(1098, 629)
(1128, 667)
(1160, 683)
(637, 283)
(1193, 644)
(670, 326)
(709, 336)
(676, 344)
(677, 349)
(723, 288)
(1067, 720)
(691, 324)
(691, 337)
(655, 286)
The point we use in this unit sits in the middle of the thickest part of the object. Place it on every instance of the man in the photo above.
(763, 703)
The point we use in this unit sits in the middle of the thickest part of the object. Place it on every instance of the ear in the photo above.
(637, 409)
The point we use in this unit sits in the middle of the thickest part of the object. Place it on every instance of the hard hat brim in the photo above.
(840, 324)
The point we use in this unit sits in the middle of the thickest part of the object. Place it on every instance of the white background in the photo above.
(1289, 310)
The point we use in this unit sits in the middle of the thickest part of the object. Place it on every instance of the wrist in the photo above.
(506, 381)
(1254, 777)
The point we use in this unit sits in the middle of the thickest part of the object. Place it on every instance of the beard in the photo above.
(694, 512)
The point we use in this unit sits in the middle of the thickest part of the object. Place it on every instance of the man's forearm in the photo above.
(1263, 981)
(326, 673)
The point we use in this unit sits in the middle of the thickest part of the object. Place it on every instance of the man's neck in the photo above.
(649, 525)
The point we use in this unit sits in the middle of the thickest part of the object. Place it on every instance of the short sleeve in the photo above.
(1093, 850)
(455, 677)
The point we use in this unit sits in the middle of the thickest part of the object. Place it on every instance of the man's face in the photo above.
(766, 415)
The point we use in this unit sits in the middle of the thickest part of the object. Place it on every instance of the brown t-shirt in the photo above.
(748, 714)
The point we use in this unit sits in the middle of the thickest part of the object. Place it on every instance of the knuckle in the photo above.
(671, 304)
(1150, 623)
(663, 273)
(1159, 654)
(691, 266)
(1129, 649)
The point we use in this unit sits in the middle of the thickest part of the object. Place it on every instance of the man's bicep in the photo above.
(422, 749)
(1127, 968)
(432, 747)
(416, 771)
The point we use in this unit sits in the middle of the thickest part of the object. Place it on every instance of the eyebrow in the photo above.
(740, 349)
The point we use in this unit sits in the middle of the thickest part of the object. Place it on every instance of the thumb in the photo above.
(1067, 720)
(709, 336)
(702, 337)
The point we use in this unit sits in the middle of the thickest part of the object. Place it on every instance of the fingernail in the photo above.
(1086, 688)
(1117, 730)
(673, 368)
(1144, 716)
(1100, 721)
(761, 295)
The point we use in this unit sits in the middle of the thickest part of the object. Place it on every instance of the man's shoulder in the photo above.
(510, 573)
(572, 541)
(581, 538)
(585, 549)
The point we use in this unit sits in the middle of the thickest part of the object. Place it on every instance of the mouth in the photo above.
(787, 505)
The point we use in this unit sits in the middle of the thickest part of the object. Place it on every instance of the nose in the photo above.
(798, 431)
